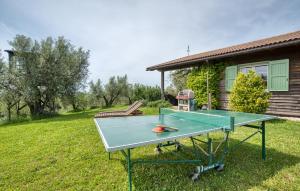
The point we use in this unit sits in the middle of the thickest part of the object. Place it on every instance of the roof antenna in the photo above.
(188, 50)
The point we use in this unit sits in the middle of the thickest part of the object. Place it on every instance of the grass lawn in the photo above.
(66, 153)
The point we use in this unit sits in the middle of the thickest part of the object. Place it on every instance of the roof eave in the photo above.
(190, 63)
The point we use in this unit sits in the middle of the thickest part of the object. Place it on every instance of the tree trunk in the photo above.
(106, 102)
(23, 106)
(74, 106)
(111, 102)
(129, 100)
(36, 108)
(9, 113)
(31, 108)
(18, 108)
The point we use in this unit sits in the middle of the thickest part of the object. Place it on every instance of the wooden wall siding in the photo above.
(281, 103)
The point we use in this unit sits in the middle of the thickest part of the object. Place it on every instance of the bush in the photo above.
(80, 102)
(143, 92)
(249, 94)
(159, 103)
(197, 81)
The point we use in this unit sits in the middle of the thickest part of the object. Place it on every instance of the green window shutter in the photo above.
(278, 75)
(230, 75)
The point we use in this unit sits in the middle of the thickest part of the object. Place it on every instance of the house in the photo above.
(276, 59)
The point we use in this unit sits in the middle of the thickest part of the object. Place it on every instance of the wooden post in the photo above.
(209, 101)
(162, 85)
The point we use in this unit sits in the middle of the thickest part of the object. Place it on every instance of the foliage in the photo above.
(10, 88)
(96, 93)
(80, 101)
(51, 151)
(171, 91)
(147, 93)
(249, 94)
(46, 70)
(2, 64)
(197, 81)
(159, 104)
(179, 79)
(116, 87)
(127, 91)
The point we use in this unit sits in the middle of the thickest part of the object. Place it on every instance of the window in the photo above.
(275, 73)
(260, 69)
(230, 74)
(245, 70)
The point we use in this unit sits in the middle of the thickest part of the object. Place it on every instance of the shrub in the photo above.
(197, 81)
(79, 102)
(143, 92)
(159, 103)
(249, 94)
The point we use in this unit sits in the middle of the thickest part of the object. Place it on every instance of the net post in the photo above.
(159, 114)
(231, 123)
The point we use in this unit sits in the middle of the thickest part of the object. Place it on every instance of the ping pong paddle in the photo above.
(161, 128)
(158, 129)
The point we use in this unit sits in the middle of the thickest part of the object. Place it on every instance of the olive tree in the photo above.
(116, 87)
(49, 69)
(10, 88)
(179, 78)
(96, 92)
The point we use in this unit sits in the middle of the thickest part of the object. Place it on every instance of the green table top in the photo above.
(120, 133)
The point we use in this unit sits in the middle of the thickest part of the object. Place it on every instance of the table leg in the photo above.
(129, 170)
(210, 151)
(263, 144)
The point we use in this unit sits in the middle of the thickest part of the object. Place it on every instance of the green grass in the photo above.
(66, 153)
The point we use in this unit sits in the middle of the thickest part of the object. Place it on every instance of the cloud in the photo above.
(127, 36)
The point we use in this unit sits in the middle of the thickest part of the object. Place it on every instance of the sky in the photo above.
(126, 36)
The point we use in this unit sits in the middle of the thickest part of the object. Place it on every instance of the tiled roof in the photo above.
(266, 42)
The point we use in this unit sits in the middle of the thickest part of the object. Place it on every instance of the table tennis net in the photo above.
(225, 122)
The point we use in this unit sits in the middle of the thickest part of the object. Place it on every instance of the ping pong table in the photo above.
(125, 133)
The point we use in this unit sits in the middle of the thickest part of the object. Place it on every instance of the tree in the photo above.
(78, 72)
(143, 92)
(10, 88)
(118, 87)
(80, 101)
(96, 91)
(49, 69)
(179, 78)
(128, 93)
(249, 94)
(115, 87)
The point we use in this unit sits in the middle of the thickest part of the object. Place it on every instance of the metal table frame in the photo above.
(213, 162)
